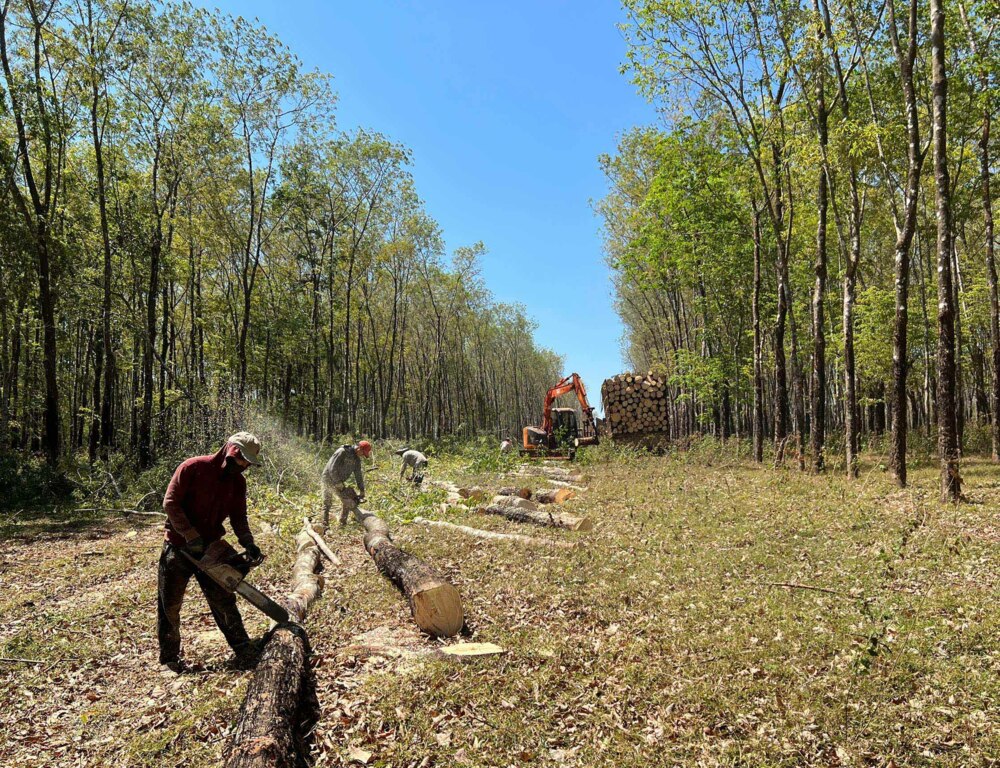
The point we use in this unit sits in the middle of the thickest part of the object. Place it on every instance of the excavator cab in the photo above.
(564, 427)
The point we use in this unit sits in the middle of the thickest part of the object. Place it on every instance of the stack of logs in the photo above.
(636, 404)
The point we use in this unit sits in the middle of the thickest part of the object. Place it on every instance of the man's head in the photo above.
(363, 449)
(248, 448)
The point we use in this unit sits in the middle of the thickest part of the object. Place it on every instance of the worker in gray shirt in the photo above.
(346, 461)
(416, 461)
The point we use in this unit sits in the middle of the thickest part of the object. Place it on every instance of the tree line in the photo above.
(807, 243)
(184, 231)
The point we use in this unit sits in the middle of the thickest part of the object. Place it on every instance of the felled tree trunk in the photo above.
(494, 535)
(525, 511)
(553, 496)
(455, 492)
(435, 604)
(279, 697)
(548, 496)
(524, 493)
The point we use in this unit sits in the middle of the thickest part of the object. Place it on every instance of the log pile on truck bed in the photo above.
(637, 408)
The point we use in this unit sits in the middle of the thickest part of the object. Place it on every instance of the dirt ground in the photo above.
(719, 614)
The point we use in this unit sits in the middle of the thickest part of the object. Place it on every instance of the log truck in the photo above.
(560, 434)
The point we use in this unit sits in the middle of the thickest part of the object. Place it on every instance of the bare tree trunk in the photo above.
(758, 363)
(951, 483)
(818, 426)
(904, 239)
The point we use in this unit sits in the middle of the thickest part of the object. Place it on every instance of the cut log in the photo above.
(524, 492)
(475, 494)
(495, 536)
(455, 492)
(561, 484)
(269, 727)
(435, 604)
(538, 517)
(554, 496)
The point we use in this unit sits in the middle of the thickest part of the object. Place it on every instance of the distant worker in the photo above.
(506, 446)
(203, 492)
(346, 461)
(416, 461)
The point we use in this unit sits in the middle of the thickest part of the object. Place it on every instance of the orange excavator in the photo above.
(560, 434)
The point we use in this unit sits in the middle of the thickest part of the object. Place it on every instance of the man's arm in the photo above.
(238, 518)
(172, 501)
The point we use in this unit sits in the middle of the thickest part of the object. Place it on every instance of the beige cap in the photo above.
(248, 444)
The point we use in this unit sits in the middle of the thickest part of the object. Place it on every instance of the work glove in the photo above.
(196, 548)
(361, 499)
(253, 553)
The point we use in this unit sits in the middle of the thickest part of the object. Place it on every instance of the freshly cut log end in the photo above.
(438, 610)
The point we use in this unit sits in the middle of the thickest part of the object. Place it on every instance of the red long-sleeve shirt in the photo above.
(203, 492)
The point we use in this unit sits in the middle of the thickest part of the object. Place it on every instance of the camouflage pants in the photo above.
(348, 500)
(175, 571)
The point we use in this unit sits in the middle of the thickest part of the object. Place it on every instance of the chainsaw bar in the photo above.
(262, 602)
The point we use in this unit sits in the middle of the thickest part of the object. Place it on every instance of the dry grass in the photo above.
(667, 638)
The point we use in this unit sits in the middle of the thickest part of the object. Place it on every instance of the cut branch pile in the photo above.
(526, 511)
(435, 604)
(279, 696)
(636, 404)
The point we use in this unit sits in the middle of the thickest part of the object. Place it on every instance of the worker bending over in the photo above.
(417, 463)
(345, 462)
(203, 492)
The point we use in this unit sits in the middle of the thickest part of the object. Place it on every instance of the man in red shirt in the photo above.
(205, 491)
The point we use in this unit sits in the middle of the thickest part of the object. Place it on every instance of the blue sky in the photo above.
(506, 107)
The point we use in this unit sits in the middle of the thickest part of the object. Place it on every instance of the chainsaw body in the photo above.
(228, 568)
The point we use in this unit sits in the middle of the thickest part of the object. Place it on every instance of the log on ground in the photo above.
(554, 496)
(524, 511)
(523, 492)
(494, 535)
(279, 700)
(435, 604)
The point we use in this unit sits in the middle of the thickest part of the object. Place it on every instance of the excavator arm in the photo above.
(570, 383)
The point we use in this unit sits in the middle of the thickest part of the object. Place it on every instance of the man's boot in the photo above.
(172, 667)
(246, 655)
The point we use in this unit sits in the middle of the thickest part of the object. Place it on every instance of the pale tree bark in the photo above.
(758, 363)
(904, 238)
(951, 483)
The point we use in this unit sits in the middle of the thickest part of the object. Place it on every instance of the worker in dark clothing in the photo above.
(204, 492)
(345, 462)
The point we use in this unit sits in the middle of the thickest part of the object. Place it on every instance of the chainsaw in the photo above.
(227, 568)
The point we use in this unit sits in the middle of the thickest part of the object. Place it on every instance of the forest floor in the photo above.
(718, 614)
